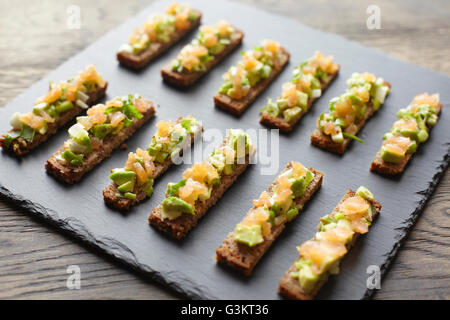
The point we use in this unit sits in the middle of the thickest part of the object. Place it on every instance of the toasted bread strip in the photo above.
(179, 227)
(71, 174)
(279, 122)
(235, 106)
(388, 168)
(290, 287)
(124, 204)
(244, 258)
(185, 79)
(21, 146)
(140, 60)
(323, 141)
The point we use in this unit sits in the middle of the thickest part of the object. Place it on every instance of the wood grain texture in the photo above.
(35, 39)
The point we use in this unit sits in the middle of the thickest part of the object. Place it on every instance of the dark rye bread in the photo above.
(179, 227)
(323, 141)
(21, 146)
(140, 60)
(387, 168)
(124, 204)
(70, 174)
(185, 79)
(279, 122)
(290, 287)
(243, 258)
(236, 106)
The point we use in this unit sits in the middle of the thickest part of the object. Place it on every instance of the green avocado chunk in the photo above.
(102, 130)
(130, 195)
(390, 156)
(72, 158)
(307, 278)
(121, 176)
(177, 204)
(365, 193)
(127, 186)
(249, 235)
(291, 113)
(148, 187)
(172, 188)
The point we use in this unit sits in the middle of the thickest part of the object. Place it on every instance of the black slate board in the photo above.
(189, 266)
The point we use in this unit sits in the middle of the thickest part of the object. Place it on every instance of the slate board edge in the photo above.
(126, 256)
(408, 224)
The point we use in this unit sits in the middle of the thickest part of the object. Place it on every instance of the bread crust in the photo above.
(323, 141)
(244, 258)
(185, 79)
(235, 106)
(178, 228)
(139, 61)
(290, 287)
(21, 146)
(279, 122)
(390, 169)
(124, 204)
(70, 174)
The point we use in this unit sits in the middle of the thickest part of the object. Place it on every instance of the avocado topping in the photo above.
(306, 84)
(321, 255)
(411, 128)
(278, 205)
(349, 109)
(199, 180)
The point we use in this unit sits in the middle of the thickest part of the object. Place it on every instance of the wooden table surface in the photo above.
(35, 39)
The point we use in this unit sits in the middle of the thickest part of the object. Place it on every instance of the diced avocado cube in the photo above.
(177, 204)
(187, 123)
(338, 137)
(365, 193)
(422, 136)
(148, 187)
(409, 133)
(391, 155)
(267, 70)
(130, 195)
(307, 278)
(72, 158)
(121, 176)
(292, 213)
(63, 107)
(282, 104)
(315, 83)
(292, 114)
(340, 122)
(102, 130)
(127, 186)
(80, 135)
(172, 188)
(381, 93)
(298, 187)
(249, 235)
(432, 119)
(37, 109)
(412, 147)
(302, 100)
(229, 168)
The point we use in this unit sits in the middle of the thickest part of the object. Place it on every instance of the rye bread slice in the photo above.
(70, 174)
(236, 106)
(178, 228)
(290, 287)
(243, 258)
(124, 204)
(279, 122)
(140, 60)
(185, 79)
(323, 141)
(22, 146)
(388, 168)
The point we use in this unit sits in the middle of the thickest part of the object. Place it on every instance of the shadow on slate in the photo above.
(189, 266)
